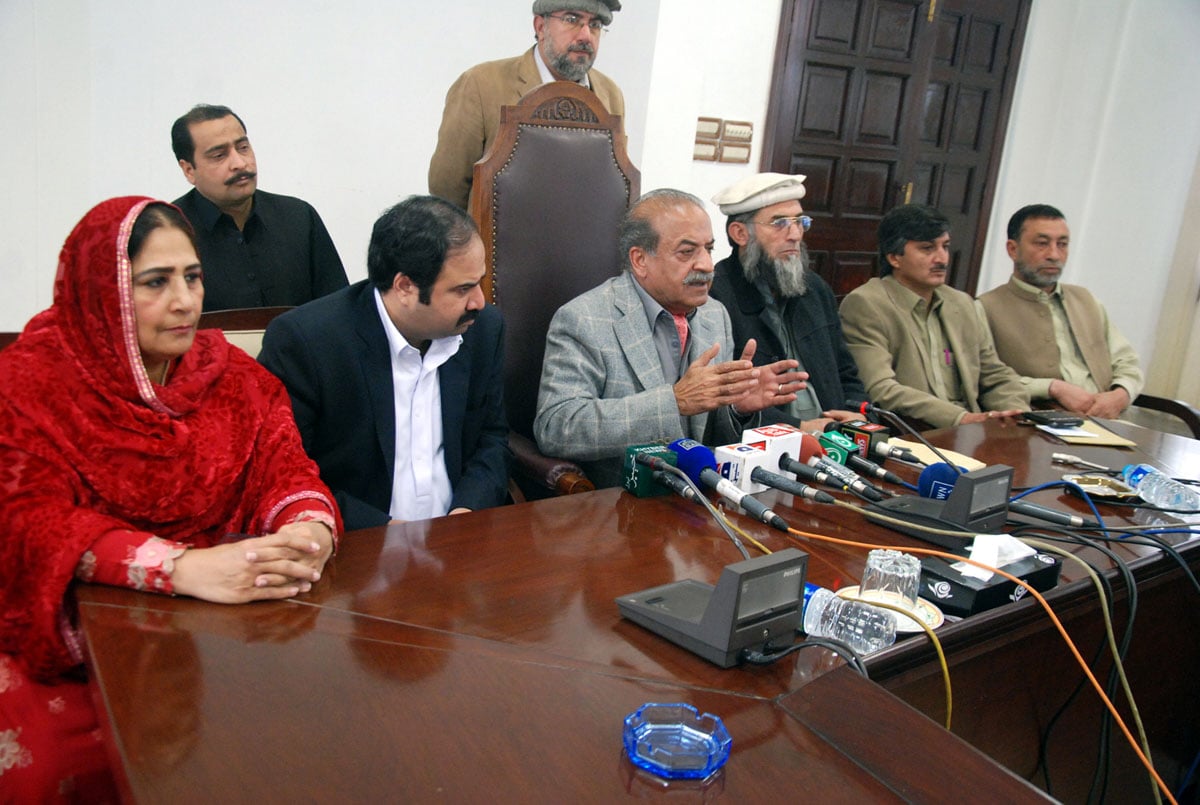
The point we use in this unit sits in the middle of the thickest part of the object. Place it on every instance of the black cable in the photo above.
(1135, 535)
(1152, 507)
(1154, 541)
(1104, 748)
(899, 421)
(766, 657)
(1104, 744)
(1138, 536)
(712, 510)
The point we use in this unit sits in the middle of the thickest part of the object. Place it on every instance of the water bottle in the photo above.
(1159, 489)
(864, 627)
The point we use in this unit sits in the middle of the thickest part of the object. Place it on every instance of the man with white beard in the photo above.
(773, 298)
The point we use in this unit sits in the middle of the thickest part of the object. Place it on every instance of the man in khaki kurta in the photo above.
(1057, 337)
(568, 36)
(919, 345)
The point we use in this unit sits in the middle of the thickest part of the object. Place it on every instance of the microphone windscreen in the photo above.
(868, 411)
(937, 481)
(693, 457)
(809, 447)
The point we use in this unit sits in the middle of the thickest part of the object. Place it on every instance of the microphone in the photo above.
(736, 463)
(698, 462)
(812, 454)
(775, 440)
(785, 484)
(865, 434)
(651, 460)
(811, 474)
(885, 449)
(841, 449)
(869, 467)
(635, 477)
(1051, 515)
(937, 481)
(676, 484)
(866, 408)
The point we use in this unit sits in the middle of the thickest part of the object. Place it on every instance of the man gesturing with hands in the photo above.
(645, 356)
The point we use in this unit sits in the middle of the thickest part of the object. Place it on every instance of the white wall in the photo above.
(721, 68)
(343, 103)
(1105, 126)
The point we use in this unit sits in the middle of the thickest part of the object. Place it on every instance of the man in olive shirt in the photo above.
(258, 249)
(919, 345)
(1058, 337)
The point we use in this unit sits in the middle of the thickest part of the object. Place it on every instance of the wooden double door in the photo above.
(880, 102)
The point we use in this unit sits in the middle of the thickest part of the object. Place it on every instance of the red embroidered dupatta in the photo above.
(89, 445)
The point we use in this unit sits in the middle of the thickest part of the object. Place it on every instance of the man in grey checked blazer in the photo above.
(646, 356)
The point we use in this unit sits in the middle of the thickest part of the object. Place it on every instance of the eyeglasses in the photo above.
(782, 224)
(575, 22)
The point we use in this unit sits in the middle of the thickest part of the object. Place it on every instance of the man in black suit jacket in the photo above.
(361, 364)
(774, 298)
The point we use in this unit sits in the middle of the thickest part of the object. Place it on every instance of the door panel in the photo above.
(875, 103)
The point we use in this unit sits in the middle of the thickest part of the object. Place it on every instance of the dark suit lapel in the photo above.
(454, 378)
(377, 375)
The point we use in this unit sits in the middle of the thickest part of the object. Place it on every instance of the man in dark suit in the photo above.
(774, 298)
(396, 381)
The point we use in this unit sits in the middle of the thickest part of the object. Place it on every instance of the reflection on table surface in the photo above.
(490, 642)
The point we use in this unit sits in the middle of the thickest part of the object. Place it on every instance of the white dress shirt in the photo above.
(420, 485)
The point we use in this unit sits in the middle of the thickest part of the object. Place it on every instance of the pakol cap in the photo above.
(758, 191)
(601, 8)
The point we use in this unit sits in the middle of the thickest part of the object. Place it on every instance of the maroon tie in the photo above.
(681, 325)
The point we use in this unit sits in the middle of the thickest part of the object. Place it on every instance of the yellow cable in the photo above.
(743, 534)
(1120, 722)
(937, 645)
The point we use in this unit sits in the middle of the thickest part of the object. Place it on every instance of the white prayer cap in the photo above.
(758, 191)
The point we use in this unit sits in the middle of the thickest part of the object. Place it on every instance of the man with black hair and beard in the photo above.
(568, 34)
(397, 381)
(773, 298)
(1057, 337)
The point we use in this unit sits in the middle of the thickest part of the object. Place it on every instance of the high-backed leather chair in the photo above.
(243, 327)
(548, 197)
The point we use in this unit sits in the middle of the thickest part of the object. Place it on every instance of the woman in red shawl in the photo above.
(131, 445)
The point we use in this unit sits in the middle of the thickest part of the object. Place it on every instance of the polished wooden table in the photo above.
(483, 657)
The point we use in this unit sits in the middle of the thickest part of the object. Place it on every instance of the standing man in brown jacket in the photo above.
(568, 36)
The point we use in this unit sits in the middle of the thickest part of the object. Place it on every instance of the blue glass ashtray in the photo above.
(675, 741)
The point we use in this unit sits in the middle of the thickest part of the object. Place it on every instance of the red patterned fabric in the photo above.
(93, 453)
